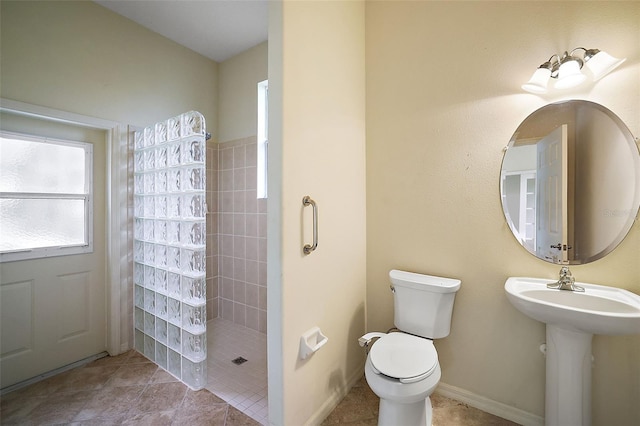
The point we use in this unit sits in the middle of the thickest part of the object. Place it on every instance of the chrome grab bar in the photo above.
(307, 201)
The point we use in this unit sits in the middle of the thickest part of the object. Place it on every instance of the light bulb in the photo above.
(569, 75)
(601, 63)
(538, 81)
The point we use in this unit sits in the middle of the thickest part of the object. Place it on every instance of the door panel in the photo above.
(53, 309)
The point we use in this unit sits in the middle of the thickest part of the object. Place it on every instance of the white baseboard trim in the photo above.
(490, 406)
(334, 399)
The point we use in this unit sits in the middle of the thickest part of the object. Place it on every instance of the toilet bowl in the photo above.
(402, 367)
(403, 370)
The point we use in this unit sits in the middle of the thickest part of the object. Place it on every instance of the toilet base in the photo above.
(393, 413)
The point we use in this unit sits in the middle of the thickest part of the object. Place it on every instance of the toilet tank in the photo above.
(423, 304)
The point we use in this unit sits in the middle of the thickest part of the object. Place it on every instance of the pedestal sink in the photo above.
(572, 319)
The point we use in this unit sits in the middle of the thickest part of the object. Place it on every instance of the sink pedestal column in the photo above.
(568, 377)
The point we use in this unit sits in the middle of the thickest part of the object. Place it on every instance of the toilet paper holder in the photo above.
(311, 341)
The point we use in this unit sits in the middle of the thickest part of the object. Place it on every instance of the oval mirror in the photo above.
(570, 182)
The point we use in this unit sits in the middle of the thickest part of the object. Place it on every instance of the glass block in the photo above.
(192, 262)
(149, 159)
(161, 181)
(138, 140)
(138, 251)
(194, 290)
(173, 154)
(193, 150)
(149, 324)
(173, 179)
(149, 136)
(160, 206)
(150, 347)
(139, 319)
(173, 232)
(138, 228)
(161, 331)
(174, 206)
(194, 374)
(193, 233)
(149, 205)
(194, 318)
(161, 157)
(161, 132)
(161, 355)
(161, 306)
(173, 128)
(138, 296)
(149, 182)
(149, 277)
(161, 256)
(138, 161)
(138, 183)
(193, 179)
(174, 285)
(175, 363)
(138, 206)
(160, 231)
(194, 346)
(138, 274)
(149, 254)
(149, 302)
(173, 258)
(193, 206)
(193, 123)
(173, 336)
(148, 229)
(173, 312)
(139, 341)
(161, 281)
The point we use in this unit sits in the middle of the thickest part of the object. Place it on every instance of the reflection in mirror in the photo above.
(570, 182)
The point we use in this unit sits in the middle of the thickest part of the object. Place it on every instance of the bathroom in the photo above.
(441, 90)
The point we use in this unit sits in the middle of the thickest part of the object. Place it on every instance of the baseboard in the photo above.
(490, 406)
(335, 398)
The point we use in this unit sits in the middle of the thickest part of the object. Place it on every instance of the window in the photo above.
(263, 136)
(45, 197)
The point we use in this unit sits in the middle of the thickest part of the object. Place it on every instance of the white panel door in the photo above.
(52, 310)
(551, 191)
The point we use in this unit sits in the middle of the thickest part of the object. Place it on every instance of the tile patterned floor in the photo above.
(130, 390)
(124, 390)
(243, 386)
(360, 407)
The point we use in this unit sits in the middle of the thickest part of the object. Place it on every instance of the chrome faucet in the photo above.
(566, 281)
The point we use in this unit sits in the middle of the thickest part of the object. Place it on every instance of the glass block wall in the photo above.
(169, 246)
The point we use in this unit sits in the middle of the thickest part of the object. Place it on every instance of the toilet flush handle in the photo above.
(366, 339)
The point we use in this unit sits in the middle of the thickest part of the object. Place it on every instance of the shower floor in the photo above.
(244, 385)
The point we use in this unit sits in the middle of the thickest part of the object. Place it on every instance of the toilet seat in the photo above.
(404, 357)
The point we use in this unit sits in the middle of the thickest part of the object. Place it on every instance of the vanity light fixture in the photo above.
(567, 69)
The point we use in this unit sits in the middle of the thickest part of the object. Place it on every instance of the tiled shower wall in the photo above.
(238, 236)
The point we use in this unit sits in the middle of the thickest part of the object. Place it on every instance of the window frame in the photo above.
(86, 197)
(262, 138)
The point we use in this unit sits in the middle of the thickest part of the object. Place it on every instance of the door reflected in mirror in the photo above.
(570, 182)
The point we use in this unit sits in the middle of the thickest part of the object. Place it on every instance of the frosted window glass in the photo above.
(38, 223)
(41, 167)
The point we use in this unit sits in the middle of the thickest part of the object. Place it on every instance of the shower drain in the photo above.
(239, 360)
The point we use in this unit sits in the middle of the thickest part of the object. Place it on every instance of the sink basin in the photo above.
(599, 310)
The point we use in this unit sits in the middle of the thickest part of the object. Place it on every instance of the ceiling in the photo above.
(217, 29)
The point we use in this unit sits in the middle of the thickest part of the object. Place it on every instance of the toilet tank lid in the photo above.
(424, 282)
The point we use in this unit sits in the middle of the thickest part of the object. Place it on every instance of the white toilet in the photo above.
(402, 366)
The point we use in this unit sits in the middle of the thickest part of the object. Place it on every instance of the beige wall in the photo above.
(443, 99)
(316, 148)
(238, 79)
(78, 56)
